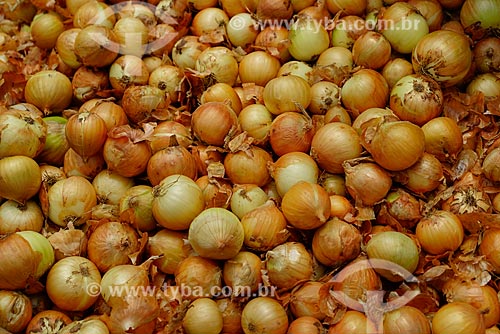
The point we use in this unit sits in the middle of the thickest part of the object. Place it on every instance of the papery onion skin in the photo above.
(305, 300)
(173, 248)
(16, 311)
(199, 276)
(48, 321)
(458, 318)
(86, 326)
(264, 315)
(243, 273)
(443, 55)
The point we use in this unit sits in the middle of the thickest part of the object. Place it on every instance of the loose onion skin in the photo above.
(16, 311)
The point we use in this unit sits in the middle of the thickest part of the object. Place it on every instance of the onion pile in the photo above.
(250, 166)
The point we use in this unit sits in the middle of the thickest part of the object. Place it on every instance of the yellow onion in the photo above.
(127, 70)
(353, 322)
(170, 244)
(214, 123)
(304, 301)
(145, 103)
(305, 325)
(16, 311)
(347, 30)
(171, 160)
(45, 29)
(20, 217)
(163, 132)
(270, 9)
(256, 121)
(371, 50)
(23, 133)
(337, 113)
(245, 198)
(20, 178)
(423, 176)
(248, 165)
(336, 242)
(111, 244)
(25, 256)
(96, 46)
(334, 143)
(367, 182)
(241, 29)
(395, 69)
(265, 315)
(231, 315)
(132, 35)
(291, 132)
(444, 56)
(203, 317)
(306, 205)
(324, 96)
(267, 64)
(219, 62)
(416, 98)
(274, 40)
(347, 7)
(65, 47)
(170, 79)
(68, 283)
(487, 55)
(177, 201)
(49, 90)
(71, 200)
(198, 277)
(56, 144)
(489, 248)
(486, 83)
(291, 168)
(308, 39)
(243, 274)
(110, 187)
(92, 13)
(86, 134)
(439, 231)
(120, 280)
(136, 207)
(286, 93)
(86, 326)
(216, 190)
(88, 82)
(74, 165)
(48, 321)
(443, 137)
(186, 50)
(396, 247)
(288, 264)
(222, 92)
(480, 13)
(365, 89)
(111, 113)
(394, 145)
(265, 227)
(209, 24)
(406, 319)
(216, 233)
(458, 318)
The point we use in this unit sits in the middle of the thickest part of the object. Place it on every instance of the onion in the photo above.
(145, 104)
(162, 135)
(214, 123)
(275, 41)
(241, 30)
(112, 244)
(248, 165)
(86, 326)
(487, 55)
(88, 82)
(365, 89)
(264, 227)
(25, 256)
(264, 314)
(305, 325)
(71, 200)
(65, 47)
(45, 29)
(346, 7)
(95, 13)
(444, 56)
(68, 242)
(231, 315)
(288, 264)
(49, 90)
(371, 50)
(216, 233)
(487, 83)
(286, 93)
(406, 319)
(198, 277)
(394, 145)
(403, 26)
(20, 217)
(86, 134)
(74, 165)
(169, 79)
(222, 92)
(395, 69)
(347, 30)
(304, 301)
(489, 248)
(20, 178)
(353, 322)
(16, 311)
(216, 190)
(170, 244)
(23, 133)
(336, 242)
(69, 281)
(367, 182)
(126, 27)
(458, 318)
(186, 50)
(440, 231)
(306, 205)
(334, 143)
(416, 98)
(96, 46)
(126, 71)
(480, 13)
(120, 280)
(324, 95)
(292, 168)
(169, 161)
(269, 9)
(308, 39)
(218, 62)
(256, 121)
(243, 273)
(245, 198)
(443, 138)
(136, 207)
(177, 201)
(423, 176)
(110, 187)
(48, 321)
(209, 24)
(203, 317)
(111, 113)
(291, 132)
(56, 144)
(396, 247)
(267, 64)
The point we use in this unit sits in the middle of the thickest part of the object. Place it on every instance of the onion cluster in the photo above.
(250, 166)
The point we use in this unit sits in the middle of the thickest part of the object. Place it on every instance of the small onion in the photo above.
(304, 301)
(308, 39)
(214, 123)
(16, 311)
(264, 227)
(86, 134)
(49, 90)
(490, 165)
(96, 46)
(136, 207)
(440, 231)
(245, 198)
(336, 242)
(86, 326)
(127, 70)
(200, 277)
(177, 201)
(110, 187)
(256, 121)
(145, 103)
(487, 83)
(489, 248)
(324, 95)
(265, 315)
(20, 217)
(216, 233)
(267, 64)
(203, 317)
(367, 182)
(111, 113)
(219, 62)
(241, 29)
(334, 143)
(88, 82)
(397, 248)
(248, 166)
(243, 273)
(132, 35)
(20, 178)
(371, 50)
(45, 29)
(122, 276)
(291, 168)
(347, 29)
(169, 79)
(231, 315)
(69, 281)
(423, 176)
(169, 161)
(458, 318)
(395, 69)
(345, 6)
(487, 55)
(291, 132)
(288, 264)
(65, 47)
(74, 165)
(286, 93)
(406, 319)
(443, 137)
(170, 244)
(186, 50)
